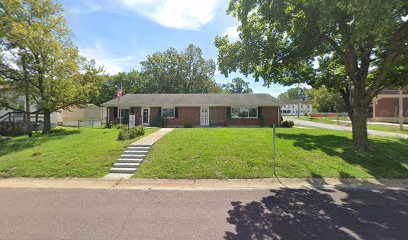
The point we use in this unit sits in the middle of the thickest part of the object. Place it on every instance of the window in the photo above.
(168, 113)
(123, 115)
(244, 112)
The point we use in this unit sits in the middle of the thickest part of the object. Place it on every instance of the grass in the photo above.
(377, 127)
(65, 152)
(248, 153)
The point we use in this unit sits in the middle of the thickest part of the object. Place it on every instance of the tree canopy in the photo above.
(38, 55)
(179, 72)
(356, 47)
(238, 85)
(325, 100)
(295, 93)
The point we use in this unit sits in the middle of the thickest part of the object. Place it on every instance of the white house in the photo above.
(292, 107)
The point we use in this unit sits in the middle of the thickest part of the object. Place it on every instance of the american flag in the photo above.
(119, 94)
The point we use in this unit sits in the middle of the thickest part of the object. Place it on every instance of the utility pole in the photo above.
(401, 110)
(298, 111)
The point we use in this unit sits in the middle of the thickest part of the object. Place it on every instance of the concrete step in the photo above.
(132, 156)
(121, 160)
(122, 170)
(126, 165)
(136, 145)
(136, 152)
(139, 148)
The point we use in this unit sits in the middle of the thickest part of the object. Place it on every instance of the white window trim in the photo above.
(174, 109)
(120, 108)
(248, 112)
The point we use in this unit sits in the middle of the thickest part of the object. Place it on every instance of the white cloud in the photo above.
(232, 32)
(112, 64)
(180, 14)
(86, 8)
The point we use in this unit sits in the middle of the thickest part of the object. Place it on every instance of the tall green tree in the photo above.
(360, 43)
(42, 57)
(179, 72)
(130, 82)
(238, 85)
(325, 100)
(295, 93)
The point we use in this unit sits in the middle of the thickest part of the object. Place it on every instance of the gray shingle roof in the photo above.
(180, 100)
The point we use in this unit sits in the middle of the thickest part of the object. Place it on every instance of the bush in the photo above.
(188, 125)
(139, 130)
(123, 134)
(287, 124)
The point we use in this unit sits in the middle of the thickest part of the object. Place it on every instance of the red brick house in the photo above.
(386, 106)
(195, 109)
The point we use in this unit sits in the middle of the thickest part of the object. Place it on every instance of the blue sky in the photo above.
(119, 34)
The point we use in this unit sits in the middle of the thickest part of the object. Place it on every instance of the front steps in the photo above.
(131, 159)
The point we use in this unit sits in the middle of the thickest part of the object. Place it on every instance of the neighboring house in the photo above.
(385, 107)
(291, 107)
(196, 109)
(89, 115)
(13, 121)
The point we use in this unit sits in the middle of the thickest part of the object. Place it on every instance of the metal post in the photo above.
(401, 110)
(274, 149)
(298, 111)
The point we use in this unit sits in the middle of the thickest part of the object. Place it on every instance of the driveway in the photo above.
(308, 213)
(344, 128)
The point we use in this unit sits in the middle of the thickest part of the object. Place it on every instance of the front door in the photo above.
(146, 117)
(204, 116)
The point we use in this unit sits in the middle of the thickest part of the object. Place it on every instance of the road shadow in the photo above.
(385, 158)
(342, 213)
(21, 143)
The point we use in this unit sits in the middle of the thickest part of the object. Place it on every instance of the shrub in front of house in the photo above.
(287, 124)
(188, 126)
(130, 133)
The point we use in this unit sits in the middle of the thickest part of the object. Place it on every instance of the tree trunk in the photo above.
(47, 122)
(28, 114)
(359, 121)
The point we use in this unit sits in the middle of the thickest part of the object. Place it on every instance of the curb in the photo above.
(204, 184)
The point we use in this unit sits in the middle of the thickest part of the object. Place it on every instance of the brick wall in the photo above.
(186, 115)
(218, 115)
(389, 107)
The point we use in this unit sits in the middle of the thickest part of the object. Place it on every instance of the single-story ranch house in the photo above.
(195, 109)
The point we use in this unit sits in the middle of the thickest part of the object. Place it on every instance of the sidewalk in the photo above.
(154, 137)
(203, 184)
(344, 128)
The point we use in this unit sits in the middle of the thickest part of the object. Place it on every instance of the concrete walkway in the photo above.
(131, 159)
(154, 137)
(348, 129)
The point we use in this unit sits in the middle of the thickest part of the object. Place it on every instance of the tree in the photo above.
(324, 100)
(294, 94)
(42, 58)
(238, 85)
(174, 72)
(131, 82)
(360, 44)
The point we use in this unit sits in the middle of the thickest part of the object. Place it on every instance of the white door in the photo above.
(204, 116)
(145, 116)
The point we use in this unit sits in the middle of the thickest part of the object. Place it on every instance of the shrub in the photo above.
(139, 130)
(287, 124)
(188, 125)
(123, 134)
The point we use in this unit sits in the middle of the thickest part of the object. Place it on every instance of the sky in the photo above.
(119, 34)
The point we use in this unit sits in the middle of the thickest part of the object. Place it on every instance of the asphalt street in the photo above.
(38, 213)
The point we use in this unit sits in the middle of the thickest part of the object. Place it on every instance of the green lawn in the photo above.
(377, 127)
(66, 152)
(247, 153)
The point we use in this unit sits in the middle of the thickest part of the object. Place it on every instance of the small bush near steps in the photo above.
(287, 124)
(130, 133)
